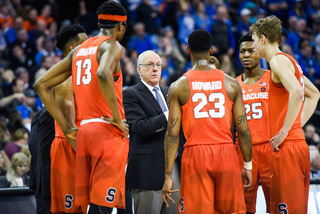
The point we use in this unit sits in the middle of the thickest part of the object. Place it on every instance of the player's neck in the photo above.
(251, 76)
(107, 32)
(201, 65)
(271, 51)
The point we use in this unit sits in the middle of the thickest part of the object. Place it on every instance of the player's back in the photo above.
(278, 106)
(89, 100)
(256, 101)
(207, 115)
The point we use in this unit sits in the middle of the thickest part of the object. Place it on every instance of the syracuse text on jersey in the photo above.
(207, 85)
(252, 96)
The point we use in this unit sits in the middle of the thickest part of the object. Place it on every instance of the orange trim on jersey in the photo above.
(117, 18)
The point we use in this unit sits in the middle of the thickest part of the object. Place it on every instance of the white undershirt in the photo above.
(154, 94)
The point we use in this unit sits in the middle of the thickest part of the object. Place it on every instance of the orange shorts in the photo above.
(211, 180)
(101, 158)
(63, 162)
(290, 178)
(261, 163)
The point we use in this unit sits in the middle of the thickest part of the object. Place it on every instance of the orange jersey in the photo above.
(89, 100)
(255, 100)
(278, 106)
(207, 116)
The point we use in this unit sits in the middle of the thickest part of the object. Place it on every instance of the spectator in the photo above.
(244, 24)
(141, 41)
(313, 10)
(223, 39)
(4, 162)
(20, 58)
(149, 15)
(298, 10)
(30, 22)
(201, 18)
(277, 8)
(46, 63)
(15, 121)
(28, 107)
(298, 34)
(46, 14)
(11, 33)
(6, 16)
(16, 174)
(309, 64)
(20, 138)
(47, 48)
(313, 141)
(186, 23)
(23, 40)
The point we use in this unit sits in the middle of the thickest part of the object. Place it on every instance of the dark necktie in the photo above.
(159, 99)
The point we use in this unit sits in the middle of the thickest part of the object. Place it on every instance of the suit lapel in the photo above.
(146, 93)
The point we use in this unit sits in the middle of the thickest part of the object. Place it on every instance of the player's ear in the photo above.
(211, 50)
(188, 50)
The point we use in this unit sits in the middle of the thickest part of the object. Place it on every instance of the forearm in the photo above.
(308, 109)
(245, 145)
(6, 100)
(294, 105)
(106, 85)
(171, 145)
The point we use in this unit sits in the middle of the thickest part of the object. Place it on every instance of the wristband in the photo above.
(248, 165)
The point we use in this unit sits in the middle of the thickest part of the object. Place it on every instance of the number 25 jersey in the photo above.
(207, 116)
(256, 101)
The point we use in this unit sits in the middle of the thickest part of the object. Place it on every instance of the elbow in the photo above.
(299, 94)
(37, 86)
(101, 75)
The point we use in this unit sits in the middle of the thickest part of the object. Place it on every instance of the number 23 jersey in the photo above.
(207, 116)
(256, 101)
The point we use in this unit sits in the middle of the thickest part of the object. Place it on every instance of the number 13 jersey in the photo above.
(207, 116)
(89, 100)
(256, 101)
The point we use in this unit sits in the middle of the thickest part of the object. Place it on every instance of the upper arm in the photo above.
(283, 69)
(111, 51)
(64, 97)
(55, 75)
(175, 111)
(239, 113)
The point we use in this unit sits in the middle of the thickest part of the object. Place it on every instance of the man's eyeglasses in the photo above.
(151, 65)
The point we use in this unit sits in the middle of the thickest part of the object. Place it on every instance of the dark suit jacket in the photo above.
(42, 135)
(147, 128)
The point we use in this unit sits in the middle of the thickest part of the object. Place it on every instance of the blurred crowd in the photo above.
(27, 47)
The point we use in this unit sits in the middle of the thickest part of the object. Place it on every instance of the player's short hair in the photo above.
(200, 41)
(110, 8)
(246, 38)
(68, 33)
(270, 27)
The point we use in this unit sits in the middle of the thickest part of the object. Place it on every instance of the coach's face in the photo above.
(150, 69)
